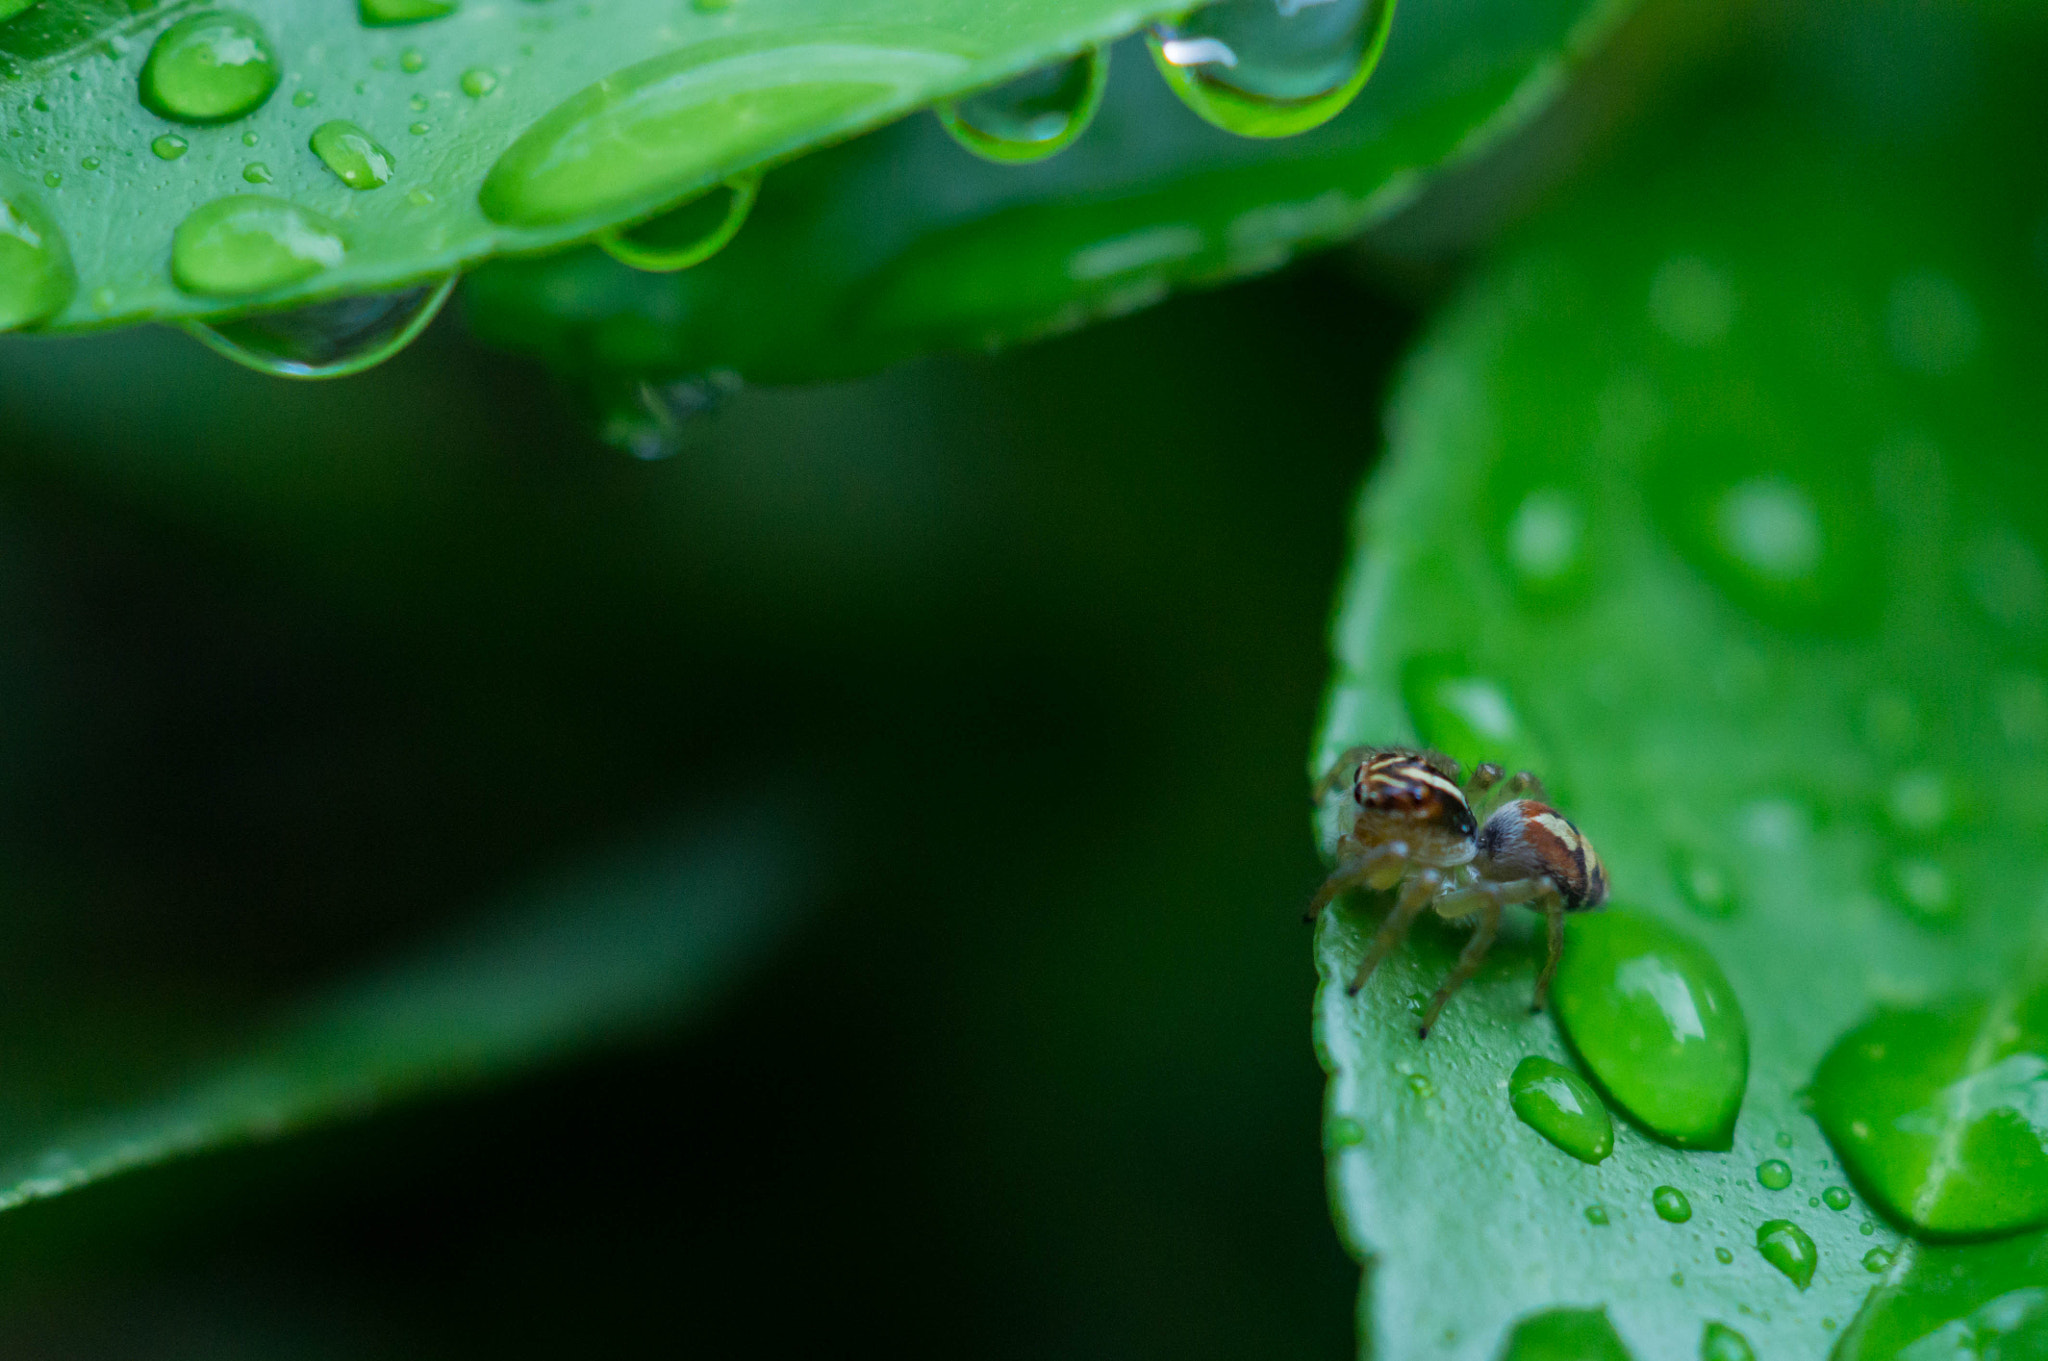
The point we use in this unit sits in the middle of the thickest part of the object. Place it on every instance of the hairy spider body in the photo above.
(1409, 822)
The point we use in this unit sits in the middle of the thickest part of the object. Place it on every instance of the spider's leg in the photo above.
(1415, 895)
(1467, 965)
(1553, 919)
(1353, 873)
(1481, 893)
(1334, 776)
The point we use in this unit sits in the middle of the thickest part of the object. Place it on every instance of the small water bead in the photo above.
(1544, 537)
(1562, 1107)
(170, 146)
(1671, 1205)
(1866, 1228)
(418, 103)
(1785, 1246)
(1272, 68)
(412, 61)
(1346, 1132)
(383, 13)
(330, 339)
(1596, 1215)
(352, 154)
(1876, 1260)
(1565, 1335)
(250, 244)
(1722, 1343)
(36, 275)
(688, 234)
(210, 68)
(53, 178)
(304, 99)
(1783, 1139)
(249, 139)
(1033, 116)
(1773, 1175)
(256, 172)
(1655, 1020)
(1926, 892)
(1420, 1084)
(477, 82)
(1723, 1256)
(419, 129)
(88, 163)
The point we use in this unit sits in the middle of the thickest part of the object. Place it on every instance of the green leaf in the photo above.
(634, 939)
(1957, 1304)
(692, 95)
(1722, 492)
(905, 241)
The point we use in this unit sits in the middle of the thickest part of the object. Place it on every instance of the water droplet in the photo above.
(1272, 68)
(1773, 1175)
(209, 68)
(328, 339)
(41, 103)
(36, 276)
(1769, 527)
(1722, 1343)
(689, 234)
(1723, 1256)
(257, 173)
(1565, 1335)
(684, 121)
(170, 146)
(1469, 716)
(418, 198)
(1657, 1024)
(1919, 802)
(418, 129)
(1420, 1084)
(1562, 1107)
(1786, 1247)
(1678, 1278)
(1671, 1205)
(1346, 1132)
(304, 99)
(380, 13)
(711, 6)
(53, 178)
(1836, 1198)
(651, 420)
(249, 138)
(1923, 888)
(412, 61)
(478, 82)
(1783, 1138)
(1866, 1228)
(1596, 1215)
(1544, 537)
(1691, 301)
(1941, 1113)
(1033, 116)
(1703, 884)
(352, 154)
(418, 103)
(1932, 323)
(251, 244)
(1876, 1260)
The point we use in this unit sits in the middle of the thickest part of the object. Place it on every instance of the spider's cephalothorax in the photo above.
(1410, 822)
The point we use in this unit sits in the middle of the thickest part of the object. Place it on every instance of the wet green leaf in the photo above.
(1971, 1303)
(1725, 482)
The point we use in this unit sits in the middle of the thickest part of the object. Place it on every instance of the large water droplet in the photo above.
(688, 234)
(36, 276)
(1033, 116)
(1544, 538)
(1464, 713)
(1657, 1024)
(1671, 1205)
(251, 243)
(380, 13)
(209, 68)
(1774, 1175)
(328, 339)
(1941, 1114)
(1562, 1107)
(1836, 1198)
(1722, 1343)
(1565, 1335)
(691, 118)
(352, 154)
(1272, 68)
(1786, 1247)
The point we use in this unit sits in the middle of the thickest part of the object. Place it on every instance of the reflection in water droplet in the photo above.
(652, 420)
(1691, 301)
(1932, 323)
(477, 82)
(36, 275)
(1543, 537)
(1785, 1246)
(1562, 1107)
(1703, 884)
(378, 13)
(256, 172)
(1769, 527)
(688, 234)
(1597, 1215)
(1722, 1343)
(1033, 116)
(1941, 1113)
(209, 68)
(655, 131)
(1565, 1335)
(1876, 1260)
(1723, 1256)
(170, 147)
(352, 154)
(1836, 1198)
(1346, 1132)
(1657, 1024)
(251, 244)
(1773, 1175)
(328, 339)
(1671, 1205)
(1272, 68)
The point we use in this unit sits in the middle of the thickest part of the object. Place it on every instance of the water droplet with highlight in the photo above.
(1470, 716)
(1544, 538)
(256, 172)
(382, 13)
(477, 82)
(209, 68)
(36, 274)
(418, 103)
(1773, 1175)
(1565, 1335)
(1876, 1260)
(88, 163)
(1836, 1198)
(685, 121)
(53, 178)
(1703, 884)
(1941, 1113)
(1769, 527)
(1272, 68)
(1562, 1107)
(1032, 116)
(249, 138)
(1654, 1019)
(1783, 1138)
(1420, 1084)
(412, 61)
(688, 234)
(327, 339)
(1346, 1132)
(1723, 1256)
(170, 146)
(251, 244)
(1785, 1246)
(1671, 1205)
(352, 154)
(1923, 888)
(1596, 1215)
(1722, 1343)
(304, 99)
(418, 129)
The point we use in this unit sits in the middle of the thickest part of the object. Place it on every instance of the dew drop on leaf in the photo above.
(1721, 1343)
(1596, 1215)
(1562, 1107)
(250, 244)
(1704, 884)
(379, 13)
(1723, 1256)
(1836, 1198)
(209, 68)
(169, 147)
(1346, 1132)
(1876, 1260)
(1272, 68)
(1543, 539)
(1565, 1335)
(478, 81)
(53, 178)
(1785, 1246)
(1658, 1026)
(688, 234)
(256, 172)
(352, 154)
(1671, 1205)
(36, 275)
(327, 339)
(1469, 715)
(419, 129)
(412, 61)
(304, 99)
(1032, 116)
(1773, 1175)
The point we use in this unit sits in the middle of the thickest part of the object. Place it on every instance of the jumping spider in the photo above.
(1412, 824)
